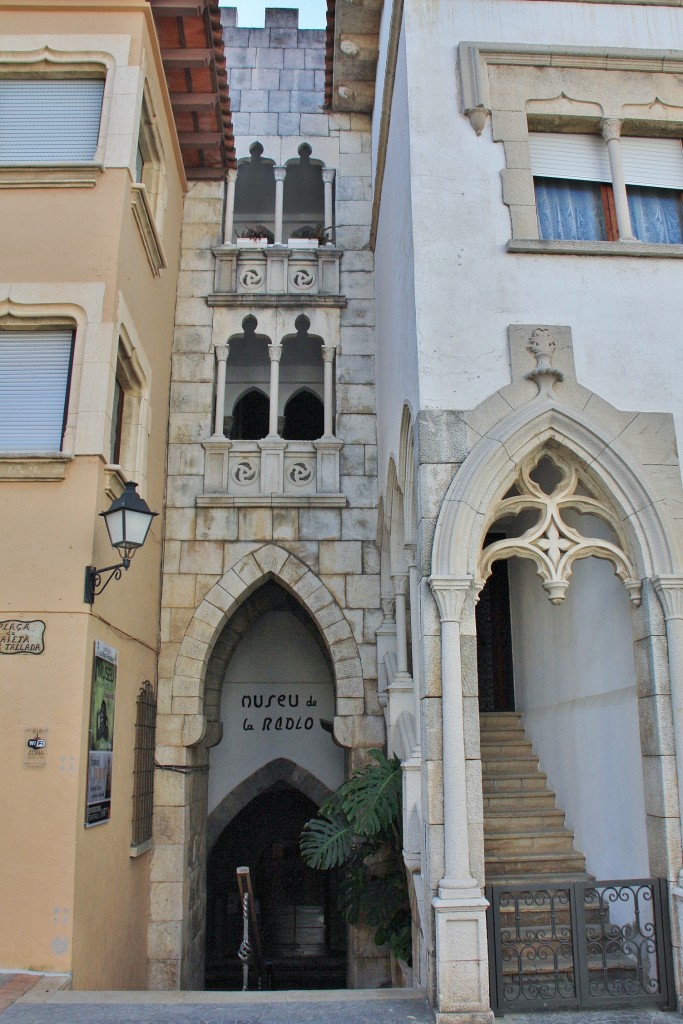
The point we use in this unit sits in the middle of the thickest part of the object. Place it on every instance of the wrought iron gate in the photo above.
(580, 944)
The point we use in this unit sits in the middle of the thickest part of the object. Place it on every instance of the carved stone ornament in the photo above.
(551, 543)
(251, 278)
(300, 473)
(303, 279)
(543, 346)
(244, 472)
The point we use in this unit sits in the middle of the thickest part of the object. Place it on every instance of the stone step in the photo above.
(523, 820)
(505, 747)
(522, 843)
(507, 866)
(522, 781)
(518, 802)
(499, 764)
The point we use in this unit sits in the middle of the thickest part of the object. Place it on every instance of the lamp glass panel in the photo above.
(137, 525)
(114, 521)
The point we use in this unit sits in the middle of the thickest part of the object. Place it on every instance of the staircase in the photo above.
(525, 836)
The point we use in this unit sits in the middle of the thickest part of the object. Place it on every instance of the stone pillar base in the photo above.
(462, 979)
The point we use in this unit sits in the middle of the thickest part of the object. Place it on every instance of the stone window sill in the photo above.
(32, 466)
(549, 247)
(137, 849)
(64, 175)
(144, 218)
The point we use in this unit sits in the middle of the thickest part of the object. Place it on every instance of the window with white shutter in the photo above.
(573, 186)
(35, 368)
(49, 120)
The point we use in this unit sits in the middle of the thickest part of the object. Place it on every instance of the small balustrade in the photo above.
(275, 270)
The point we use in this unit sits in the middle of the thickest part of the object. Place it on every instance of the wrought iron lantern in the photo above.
(128, 520)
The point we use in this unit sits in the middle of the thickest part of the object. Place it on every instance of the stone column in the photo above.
(280, 173)
(222, 353)
(460, 908)
(328, 352)
(328, 178)
(414, 591)
(231, 178)
(275, 355)
(611, 133)
(670, 592)
(400, 581)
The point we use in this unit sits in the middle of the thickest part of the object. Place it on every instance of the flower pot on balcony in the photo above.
(252, 243)
(303, 243)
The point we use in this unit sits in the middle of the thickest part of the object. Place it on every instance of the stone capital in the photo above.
(328, 175)
(222, 353)
(231, 175)
(670, 592)
(400, 581)
(411, 554)
(610, 127)
(280, 173)
(450, 593)
(275, 353)
(328, 352)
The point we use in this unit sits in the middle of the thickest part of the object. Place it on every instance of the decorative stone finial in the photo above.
(543, 346)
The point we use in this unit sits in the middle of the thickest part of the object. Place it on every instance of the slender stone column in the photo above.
(275, 355)
(414, 591)
(611, 133)
(222, 353)
(670, 592)
(229, 207)
(450, 594)
(400, 581)
(328, 352)
(280, 173)
(328, 178)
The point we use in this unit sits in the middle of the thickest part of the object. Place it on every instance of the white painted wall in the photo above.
(396, 353)
(279, 662)
(467, 287)
(575, 683)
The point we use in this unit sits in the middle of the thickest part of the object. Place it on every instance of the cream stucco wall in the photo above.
(77, 899)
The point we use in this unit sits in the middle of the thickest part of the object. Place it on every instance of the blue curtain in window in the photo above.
(656, 214)
(569, 209)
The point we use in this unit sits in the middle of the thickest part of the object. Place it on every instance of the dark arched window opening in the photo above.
(254, 191)
(304, 193)
(250, 417)
(304, 417)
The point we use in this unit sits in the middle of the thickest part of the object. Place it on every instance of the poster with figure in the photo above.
(101, 735)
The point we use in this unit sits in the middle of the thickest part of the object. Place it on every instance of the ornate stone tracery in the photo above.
(550, 542)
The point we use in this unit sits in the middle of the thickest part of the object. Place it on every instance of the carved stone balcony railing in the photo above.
(276, 273)
(271, 472)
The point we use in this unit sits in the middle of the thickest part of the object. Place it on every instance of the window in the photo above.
(574, 192)
(143, 770)
(49, 120)
(116, 423)
(35, 370)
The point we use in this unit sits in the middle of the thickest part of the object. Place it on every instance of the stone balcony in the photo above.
(271, 472)
(276, 275)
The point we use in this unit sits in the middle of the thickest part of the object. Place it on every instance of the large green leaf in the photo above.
(371, 798)
(326, 842)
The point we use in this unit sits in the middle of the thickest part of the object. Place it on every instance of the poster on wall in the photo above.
(101, 735)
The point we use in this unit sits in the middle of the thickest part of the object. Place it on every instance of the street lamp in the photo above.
(128, 520)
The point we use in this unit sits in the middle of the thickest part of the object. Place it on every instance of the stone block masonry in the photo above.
(219, 552)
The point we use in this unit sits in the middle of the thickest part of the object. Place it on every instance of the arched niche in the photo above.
(254, 191)
(248, 375)
(272, 674)
(304, 194)
(301, 370)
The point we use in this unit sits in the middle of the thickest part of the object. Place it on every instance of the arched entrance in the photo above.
(267, 776)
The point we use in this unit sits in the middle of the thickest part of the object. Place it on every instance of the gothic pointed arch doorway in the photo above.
(275, 763)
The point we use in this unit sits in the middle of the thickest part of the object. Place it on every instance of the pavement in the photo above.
(43, 1003)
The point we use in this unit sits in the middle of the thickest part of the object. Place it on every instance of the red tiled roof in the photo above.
(192, 49)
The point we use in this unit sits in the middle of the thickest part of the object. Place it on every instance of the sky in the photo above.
(250, 13)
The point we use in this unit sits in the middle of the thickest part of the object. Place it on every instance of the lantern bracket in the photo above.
(93, 579)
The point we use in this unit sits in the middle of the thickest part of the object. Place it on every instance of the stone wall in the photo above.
(218, 554)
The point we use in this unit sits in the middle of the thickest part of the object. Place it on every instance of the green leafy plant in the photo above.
(358, 831)
(258, 231)
(313, 231)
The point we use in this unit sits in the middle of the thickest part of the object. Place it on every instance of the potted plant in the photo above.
(310, 236)
(358, 831)
(255, 237)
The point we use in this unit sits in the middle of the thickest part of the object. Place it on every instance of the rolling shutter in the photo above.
(656, 163)
(576, 157)
(34, 379)
(49, 120)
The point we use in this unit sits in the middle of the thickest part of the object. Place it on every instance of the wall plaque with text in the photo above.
(18, 636)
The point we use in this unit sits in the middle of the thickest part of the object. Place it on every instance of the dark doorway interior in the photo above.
(303, 932)
(494, 642)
